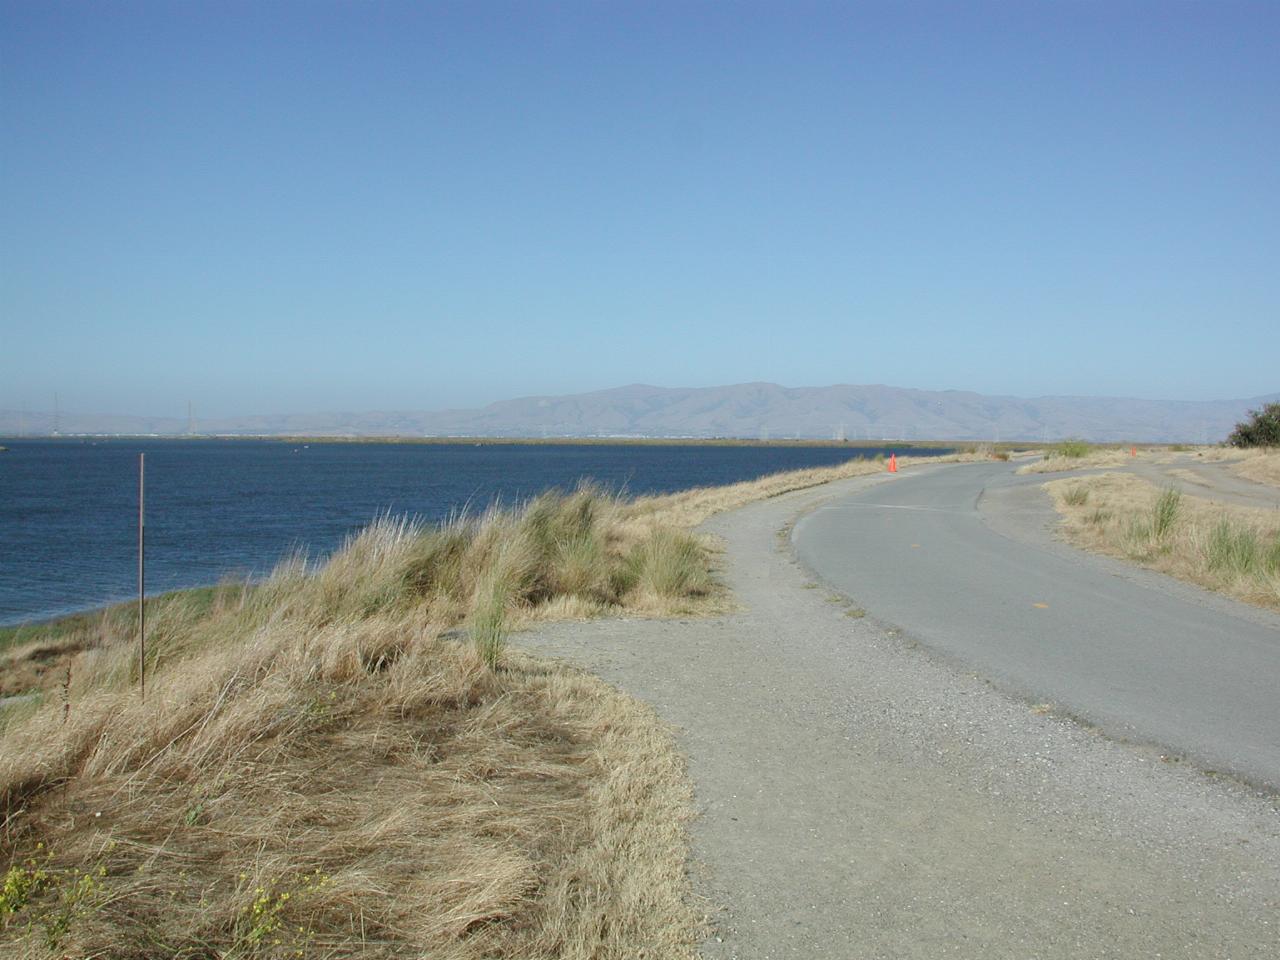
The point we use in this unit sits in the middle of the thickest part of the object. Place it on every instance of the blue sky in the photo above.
(272, 207)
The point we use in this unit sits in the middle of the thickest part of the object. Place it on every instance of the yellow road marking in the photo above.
(1042, 606)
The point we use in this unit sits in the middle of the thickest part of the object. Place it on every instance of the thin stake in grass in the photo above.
(66, 694)
(142, 539)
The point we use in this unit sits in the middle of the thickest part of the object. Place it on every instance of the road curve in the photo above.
(858, 797)
(1142, 659)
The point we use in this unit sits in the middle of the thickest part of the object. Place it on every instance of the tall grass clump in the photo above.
(512, 567)
(1164, 512)
(1238, 549)
(488, 624)
(668, 564)
(1232, 548)
(1138, 539)
(1076, 496)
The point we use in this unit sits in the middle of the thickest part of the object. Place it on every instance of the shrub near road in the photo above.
(1262, 429)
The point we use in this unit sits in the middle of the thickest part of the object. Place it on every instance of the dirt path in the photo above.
(861, 798)
(1213, 479)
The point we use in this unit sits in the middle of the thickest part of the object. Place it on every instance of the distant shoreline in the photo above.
(853, 444)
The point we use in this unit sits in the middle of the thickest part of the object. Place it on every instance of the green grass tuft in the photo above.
(1235, 549)
(1164, 513)
(488, 623)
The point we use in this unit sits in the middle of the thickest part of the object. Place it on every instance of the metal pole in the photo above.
(142, 619)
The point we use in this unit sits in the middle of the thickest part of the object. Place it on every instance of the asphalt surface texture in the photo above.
(860, 795)
(963, 561)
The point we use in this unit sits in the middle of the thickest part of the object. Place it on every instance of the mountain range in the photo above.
(748, 410)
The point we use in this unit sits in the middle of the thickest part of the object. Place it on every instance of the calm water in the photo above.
(223, 508)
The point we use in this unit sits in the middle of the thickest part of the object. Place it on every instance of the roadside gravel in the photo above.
(859, 797)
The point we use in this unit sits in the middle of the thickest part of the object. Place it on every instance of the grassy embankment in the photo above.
(317, 769)
(326, 766)
(1230, 549)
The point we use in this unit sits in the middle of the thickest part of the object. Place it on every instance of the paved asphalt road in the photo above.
(960, 558)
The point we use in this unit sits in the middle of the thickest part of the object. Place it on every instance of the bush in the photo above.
(1071, 449)
(1262, 429)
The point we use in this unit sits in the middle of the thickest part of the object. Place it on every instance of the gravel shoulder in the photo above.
(859, 796)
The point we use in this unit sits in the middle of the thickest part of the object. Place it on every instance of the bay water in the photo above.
(233, 508)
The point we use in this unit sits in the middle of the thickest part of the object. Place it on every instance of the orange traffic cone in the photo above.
(893, 463)
(1133, 451)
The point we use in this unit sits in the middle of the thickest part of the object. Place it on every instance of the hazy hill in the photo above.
(741, 410)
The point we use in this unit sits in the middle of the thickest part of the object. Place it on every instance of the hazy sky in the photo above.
(270, 207)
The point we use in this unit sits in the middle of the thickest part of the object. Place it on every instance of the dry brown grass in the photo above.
(357, 789)
(1260, 466)
(1217, 454)
(1230, 549)
(316, 771)
(1095, 459)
